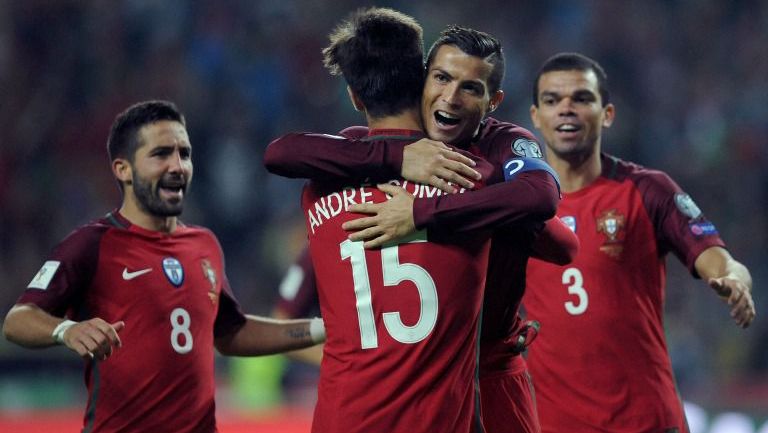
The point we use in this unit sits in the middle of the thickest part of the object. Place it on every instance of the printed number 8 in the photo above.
(181, 327)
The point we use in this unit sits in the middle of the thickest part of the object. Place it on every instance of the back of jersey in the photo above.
(402, 322)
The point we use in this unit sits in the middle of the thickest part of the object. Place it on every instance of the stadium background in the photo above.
(689, 78)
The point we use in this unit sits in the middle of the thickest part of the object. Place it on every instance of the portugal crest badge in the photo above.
(611, 224)
(173, 271)
(210, 274)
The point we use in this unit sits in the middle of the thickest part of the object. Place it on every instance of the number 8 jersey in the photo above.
(172, 294)
(402, 321)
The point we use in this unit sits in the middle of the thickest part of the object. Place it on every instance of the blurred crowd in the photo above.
(689, 79)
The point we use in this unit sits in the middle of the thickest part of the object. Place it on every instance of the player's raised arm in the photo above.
(731, 280)
(29, 326)
(323, 157)
(264, 336)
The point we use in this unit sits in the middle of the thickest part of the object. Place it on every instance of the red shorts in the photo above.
(508, 402)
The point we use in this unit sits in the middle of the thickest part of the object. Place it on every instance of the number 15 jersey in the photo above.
(402, 321)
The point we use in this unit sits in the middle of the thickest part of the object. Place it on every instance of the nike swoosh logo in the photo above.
(131, 275)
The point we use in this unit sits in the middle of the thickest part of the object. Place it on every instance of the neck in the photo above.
(408, 119)
(576, 172)
(133, 212)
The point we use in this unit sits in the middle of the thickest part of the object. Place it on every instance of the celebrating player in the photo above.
(144, 298)
(464, 73)
(601, 363)
(411, 342)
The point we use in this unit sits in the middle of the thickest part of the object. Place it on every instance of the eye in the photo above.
(440, 77)
(473, 89)
(185, 152)
(548, 100)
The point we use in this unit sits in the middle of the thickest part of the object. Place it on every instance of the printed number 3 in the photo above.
(180, 322)
(393, 273)
(573, 277)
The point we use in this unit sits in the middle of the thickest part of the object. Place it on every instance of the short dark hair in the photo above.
(124, 133)
(573, 62)
(380, 53)
(475, 43)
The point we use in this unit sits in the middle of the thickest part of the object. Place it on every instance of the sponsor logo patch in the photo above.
(704, 228)
(44, 276)
(173, 270)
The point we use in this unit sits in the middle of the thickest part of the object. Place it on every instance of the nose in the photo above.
(175, 162)
(451, 94)
(565, 107)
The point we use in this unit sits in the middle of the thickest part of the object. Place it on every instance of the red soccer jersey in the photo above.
(172, 294)
(600, 363)
(402, 321)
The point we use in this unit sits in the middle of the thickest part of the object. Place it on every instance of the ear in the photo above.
(535, 116)
(356, 102)
(495, 100)
(122, 170)
(609, 113)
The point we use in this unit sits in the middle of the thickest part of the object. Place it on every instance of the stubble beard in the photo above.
(149, 199)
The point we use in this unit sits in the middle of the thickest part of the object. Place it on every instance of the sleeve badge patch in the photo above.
(686, 205)
(44, 276)
(526, 148)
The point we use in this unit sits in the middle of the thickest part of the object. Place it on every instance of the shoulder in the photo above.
(84, 238)
(493, 128)
(646, 179)
(509, 137)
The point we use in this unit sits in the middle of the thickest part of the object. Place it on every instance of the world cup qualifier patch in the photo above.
(687, 206)
(526, 148)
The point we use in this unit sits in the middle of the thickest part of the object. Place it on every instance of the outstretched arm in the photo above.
(30, 326)
(264, 336)
(731, 280)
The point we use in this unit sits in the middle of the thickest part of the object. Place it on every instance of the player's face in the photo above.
(162, 168)
(570, 115)
(456, 95)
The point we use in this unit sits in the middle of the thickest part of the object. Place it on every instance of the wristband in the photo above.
(317, 330)
(60, 329)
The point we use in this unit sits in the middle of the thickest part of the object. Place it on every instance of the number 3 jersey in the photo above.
(172, 294)
(600, 362)
(402, 321)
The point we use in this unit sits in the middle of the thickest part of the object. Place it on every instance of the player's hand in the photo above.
(93, 338)
(388, 221)
(738, 296)
(433, 163)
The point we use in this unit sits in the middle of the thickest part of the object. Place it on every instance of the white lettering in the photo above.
(313, 223)
(335, 197)
(349, 197)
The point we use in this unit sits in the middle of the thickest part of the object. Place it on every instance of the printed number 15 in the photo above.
(393, 273)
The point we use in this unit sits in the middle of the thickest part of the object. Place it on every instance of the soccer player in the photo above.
(601, 362)
(144, 298)
(409, 363)
(464, 73)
